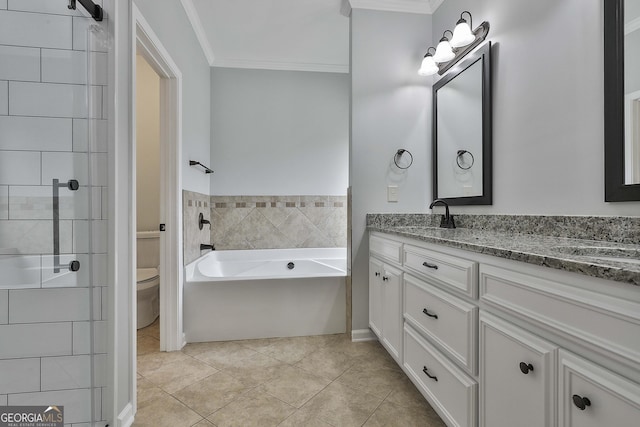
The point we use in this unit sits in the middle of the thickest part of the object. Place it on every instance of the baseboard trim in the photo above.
(359, 335)
(125, 418)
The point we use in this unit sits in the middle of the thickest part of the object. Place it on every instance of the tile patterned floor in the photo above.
(289, 382)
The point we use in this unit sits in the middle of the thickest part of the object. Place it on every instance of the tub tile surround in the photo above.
(570, 243)
(192, 205)
(277, 222)
(44, 134)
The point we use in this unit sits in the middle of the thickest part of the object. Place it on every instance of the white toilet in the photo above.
(148, 277)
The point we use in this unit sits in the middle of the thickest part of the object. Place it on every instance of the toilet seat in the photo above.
(146, 275)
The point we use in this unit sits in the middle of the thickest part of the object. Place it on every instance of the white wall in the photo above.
(147, 146)
(169, 21)
(548, 126)
(391, 109)
(279, 132)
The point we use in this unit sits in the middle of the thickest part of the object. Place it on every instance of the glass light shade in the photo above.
(444, 53)
(428, 67)
(462, 35)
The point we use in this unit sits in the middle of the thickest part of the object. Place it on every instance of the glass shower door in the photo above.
(53, 205)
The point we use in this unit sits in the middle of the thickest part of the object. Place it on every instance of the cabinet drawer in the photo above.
(452, 393)
(455, 273)
(445, 319)
(611, 399)
(384, 248)
(572, 312)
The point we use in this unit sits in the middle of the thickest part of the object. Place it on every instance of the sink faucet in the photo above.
(203, 247)
(447, 220)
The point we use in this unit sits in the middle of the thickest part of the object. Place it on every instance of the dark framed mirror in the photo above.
(461, 131)
(621, 100)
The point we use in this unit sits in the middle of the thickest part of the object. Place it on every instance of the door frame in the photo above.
(146, 43)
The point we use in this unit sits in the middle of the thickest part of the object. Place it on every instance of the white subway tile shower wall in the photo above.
(4, 98)
(76, 402)
(4, 307)
(45, 326)
(4, 202)
(35, 133)
(45, 6)
(35, 30)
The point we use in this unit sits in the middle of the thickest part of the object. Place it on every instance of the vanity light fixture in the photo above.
(462, 34)
(447, 53)
(428, 66)
(444, 51)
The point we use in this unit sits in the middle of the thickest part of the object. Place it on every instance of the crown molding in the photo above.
(435, 4)
(426, 7)
(280, 66)
(194, 18)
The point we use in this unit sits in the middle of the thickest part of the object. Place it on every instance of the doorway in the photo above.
(148, 173)
(148, 46)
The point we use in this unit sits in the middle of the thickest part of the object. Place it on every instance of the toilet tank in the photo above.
(148, 249)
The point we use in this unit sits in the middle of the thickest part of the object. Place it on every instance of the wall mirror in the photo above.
(462, 131)
(622, 100)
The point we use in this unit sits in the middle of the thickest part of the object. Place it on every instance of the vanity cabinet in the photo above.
(516, 376)
(492, 342)
(385, 300)
(591, 396)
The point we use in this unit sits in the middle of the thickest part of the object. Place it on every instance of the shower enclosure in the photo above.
(53, 209)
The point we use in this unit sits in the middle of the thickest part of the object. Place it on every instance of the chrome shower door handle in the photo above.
(74, 265)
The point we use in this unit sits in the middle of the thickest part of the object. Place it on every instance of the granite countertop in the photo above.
(597, 258)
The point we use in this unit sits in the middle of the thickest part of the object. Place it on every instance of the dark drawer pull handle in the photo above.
(377, 273)
(525, 368)
(581, 402)
(426, 264)
(424, 310)
(385, 278)
(426, 372)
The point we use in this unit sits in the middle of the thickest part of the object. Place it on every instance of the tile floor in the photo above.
(305, 381)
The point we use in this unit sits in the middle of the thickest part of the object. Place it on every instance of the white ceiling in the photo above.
(304, 35)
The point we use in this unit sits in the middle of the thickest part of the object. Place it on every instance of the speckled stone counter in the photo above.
(604, 247)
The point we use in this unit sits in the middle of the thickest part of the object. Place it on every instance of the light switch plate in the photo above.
(392, 193)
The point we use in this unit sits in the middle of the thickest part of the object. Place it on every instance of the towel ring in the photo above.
(398, 156)
(459, 156)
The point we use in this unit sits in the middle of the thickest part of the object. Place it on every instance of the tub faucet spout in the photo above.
(204, 246)
(447, 219)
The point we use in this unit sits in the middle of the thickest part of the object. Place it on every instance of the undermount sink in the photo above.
(634, 261)
(603, 253)
(419, 228)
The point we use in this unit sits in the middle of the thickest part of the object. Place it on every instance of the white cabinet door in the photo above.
(376, 270)
(516, 376)
(591, 396)
(392, 320)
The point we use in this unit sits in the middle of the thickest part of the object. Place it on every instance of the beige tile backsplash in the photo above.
(273, 222)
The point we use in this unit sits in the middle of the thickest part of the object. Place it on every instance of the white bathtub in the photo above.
(230, 295)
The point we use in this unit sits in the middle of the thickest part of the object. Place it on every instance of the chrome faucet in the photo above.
(203, 247)
(447, 219)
